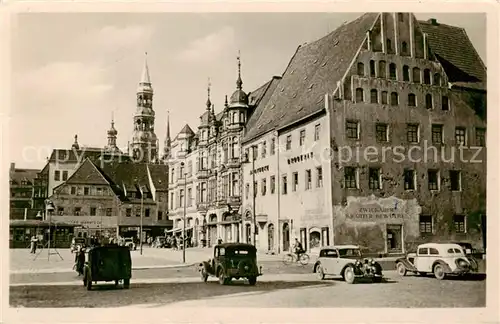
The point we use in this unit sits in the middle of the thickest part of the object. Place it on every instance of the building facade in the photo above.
(23, 186)
(363, 105)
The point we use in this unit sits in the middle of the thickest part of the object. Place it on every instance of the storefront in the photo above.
(21, 232)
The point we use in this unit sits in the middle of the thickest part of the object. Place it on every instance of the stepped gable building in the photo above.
(106, 198)
(205, 169)
(384, 82)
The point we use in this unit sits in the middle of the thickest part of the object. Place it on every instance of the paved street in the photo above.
(272, 290)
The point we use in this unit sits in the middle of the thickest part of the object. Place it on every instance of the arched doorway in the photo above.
(286, 237)
(248, 233)
(314, 239)
(270, 237)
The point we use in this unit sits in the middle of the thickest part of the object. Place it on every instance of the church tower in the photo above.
(112, 132)
(167, 144)
(144, 146)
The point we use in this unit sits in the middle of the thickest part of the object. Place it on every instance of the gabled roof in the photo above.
(18, 175)
(455, 52)
(72, 155)
(186, 130)
(159, 175)
(312, 72)
(87, 173)
(256, 96)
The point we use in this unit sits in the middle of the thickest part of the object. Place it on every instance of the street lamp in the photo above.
(140, 231)
(254, 192)
(184, 221)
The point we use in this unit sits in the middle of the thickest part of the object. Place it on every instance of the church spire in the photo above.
(112, 132)
(209, 103)
(167, 142)
(75, 144)
(145, 78)
(239, 82)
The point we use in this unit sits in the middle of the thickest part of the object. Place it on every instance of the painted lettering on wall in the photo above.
(300, 158)
(259, 170)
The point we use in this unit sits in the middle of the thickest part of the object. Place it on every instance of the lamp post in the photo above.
(184, 218)
(49, 207)
(254, 192)
(140, 230)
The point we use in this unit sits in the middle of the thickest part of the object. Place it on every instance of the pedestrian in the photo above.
(33, 244)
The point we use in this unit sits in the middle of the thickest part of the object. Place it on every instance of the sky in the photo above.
(72, 71)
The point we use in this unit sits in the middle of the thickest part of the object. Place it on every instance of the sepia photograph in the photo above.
(247, 160)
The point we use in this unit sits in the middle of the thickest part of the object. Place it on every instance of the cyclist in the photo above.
(297, 247)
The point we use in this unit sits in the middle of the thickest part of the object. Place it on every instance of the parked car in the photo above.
(129, 242)
(346, 261)
(77, 243)
(471, 254)
(232, 260)
(108, 263)
(441, 259)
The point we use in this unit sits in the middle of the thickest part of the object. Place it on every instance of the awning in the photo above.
(177, 230)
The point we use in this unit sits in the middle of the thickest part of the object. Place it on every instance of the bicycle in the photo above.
(290, 258)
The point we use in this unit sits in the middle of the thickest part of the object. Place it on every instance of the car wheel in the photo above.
(304, 259)
(439, 272)
(222, 279)
(401, 269)
(204, 275)
(320, 272)
(126, 283)
(349, 275)
(252, 281)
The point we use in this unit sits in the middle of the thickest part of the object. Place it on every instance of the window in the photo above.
(412, 100)
(404, 49)
(437, 79)
(394, 99)
(86, 191)
(350, 178)
(425, 224)
(295, 179)
(361, 69)
(247, 190)
(316, 132)
(128, 212)
(60, 211)
(319, 177)
(93, 211)
(372, 68)
(459, 223)
(381, 133)
(289, 142)
(428, 101)
(308, 180)
(351, 130)
(263, 187)
(455, 180)
(171, 200)
(302, 137)
(373, 96)
(109, 211)
(146, 212)
(383, 98)
(65, 175)
(409, 179)
(73, 190)
(444, 103)
(388, 44)
(272, 181)
(406, 73)
(460, 137)
(392, 71)
(423, 251)
(427, 76)
(374, 178)
(160, 215)
(412, 133)
(381, 69)
(359, 95)
(78, 210)
(437, 134)
(433, 178)
(57, 175)
(480, 137)
(273, 146)
(189, 198)
(264, 149)
(285, 183)
(416, 75)
(99, 191)
(433, 251)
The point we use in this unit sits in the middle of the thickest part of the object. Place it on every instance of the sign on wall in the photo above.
(107, 221)
(375, 209)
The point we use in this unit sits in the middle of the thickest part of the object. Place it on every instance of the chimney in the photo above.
(12, 166)
(433, 21)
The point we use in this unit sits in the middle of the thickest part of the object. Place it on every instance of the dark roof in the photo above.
(159, 175)
(87, 173)
(455, 52)
(72, 155)
(186, 130)
(312, 72)
(18, 175)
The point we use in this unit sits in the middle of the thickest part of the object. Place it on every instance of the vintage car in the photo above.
(108, 263)
(441, 259)
(129, 242)
(232, 260)
(348, 262)
(77, 243)
(471, 254)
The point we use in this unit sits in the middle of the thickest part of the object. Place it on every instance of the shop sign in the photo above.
(260, 170)
(372, 209)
